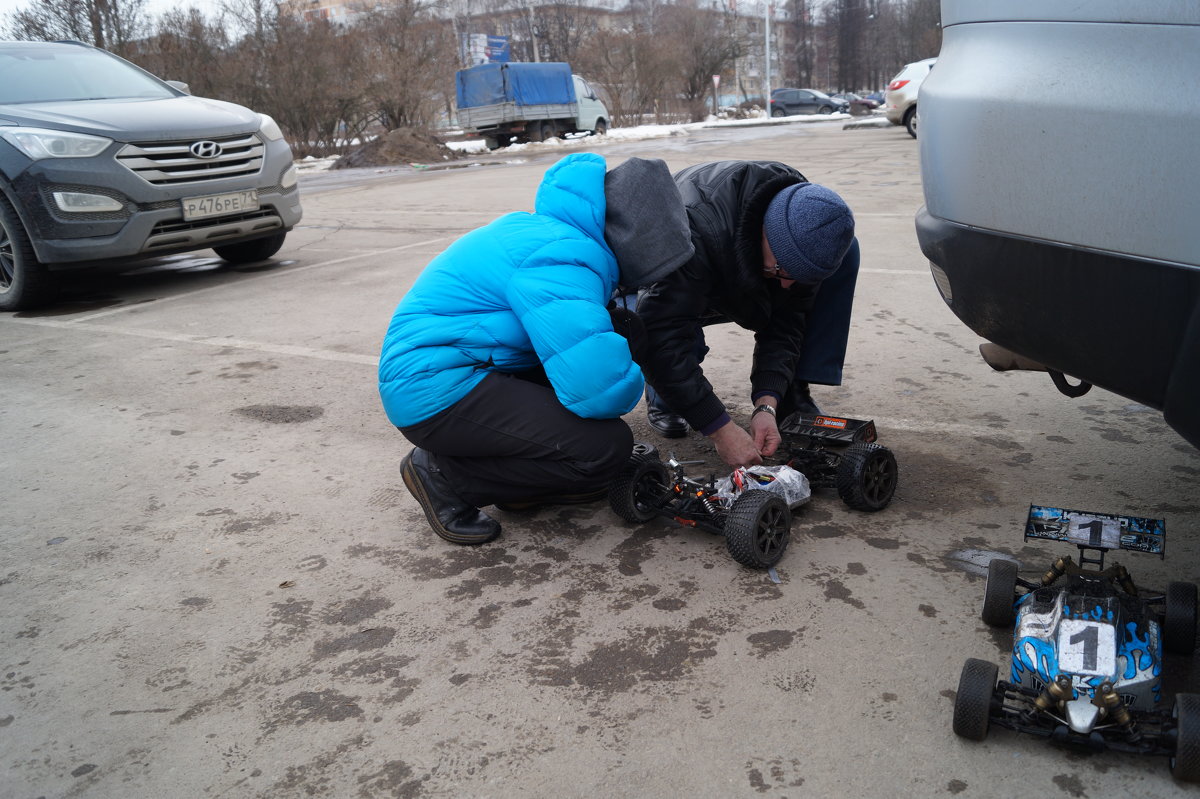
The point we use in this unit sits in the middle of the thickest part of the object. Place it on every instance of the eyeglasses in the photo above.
(773, 271)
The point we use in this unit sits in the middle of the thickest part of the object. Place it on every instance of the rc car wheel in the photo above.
(248, 252)
(1185, 763)
(758, 528)
(1179, 619)
(999, 594)
(866, 477)
(24, 283)
(639, 487)
(973, 702)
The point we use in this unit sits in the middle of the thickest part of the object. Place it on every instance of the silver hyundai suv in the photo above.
(1062, 216)
(101, 162)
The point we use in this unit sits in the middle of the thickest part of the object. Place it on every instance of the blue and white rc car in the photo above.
(1087, 647)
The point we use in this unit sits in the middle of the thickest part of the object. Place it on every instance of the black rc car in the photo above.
(756, 525)
(833, 452)
(1087, 658)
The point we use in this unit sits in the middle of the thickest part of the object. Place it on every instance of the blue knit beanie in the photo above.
(809, 229)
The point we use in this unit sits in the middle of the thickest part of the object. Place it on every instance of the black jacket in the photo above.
(726, 202)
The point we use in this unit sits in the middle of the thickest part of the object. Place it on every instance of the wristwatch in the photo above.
(768, 408)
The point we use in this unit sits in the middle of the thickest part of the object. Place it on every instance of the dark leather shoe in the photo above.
(450, 516)
(805, 405)
(581, 498)
(668, 425)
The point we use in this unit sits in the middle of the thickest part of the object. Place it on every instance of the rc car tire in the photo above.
(1185, 763)
(867, 476)
(639, 484)
(24, 282)
(758, 528)
(1179, 619)
(973, 702)
(248, 252)
(999, 593)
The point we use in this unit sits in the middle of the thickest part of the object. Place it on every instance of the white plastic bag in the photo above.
(782, 480)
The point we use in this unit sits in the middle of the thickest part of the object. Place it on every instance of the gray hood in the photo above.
(645, 223)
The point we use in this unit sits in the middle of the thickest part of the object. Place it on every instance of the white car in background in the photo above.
(900, 99)
(1062, 222)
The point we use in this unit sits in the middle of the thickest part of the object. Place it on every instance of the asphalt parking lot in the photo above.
(215, 584)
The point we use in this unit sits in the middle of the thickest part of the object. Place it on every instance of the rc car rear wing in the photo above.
(829, 428)
(1097, 530)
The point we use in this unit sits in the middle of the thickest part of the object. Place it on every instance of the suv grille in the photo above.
(167, 163)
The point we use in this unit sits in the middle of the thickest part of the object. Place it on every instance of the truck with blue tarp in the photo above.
(526, 102)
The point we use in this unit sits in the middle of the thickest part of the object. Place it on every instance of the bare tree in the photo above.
(408, 64)
(705, 43)
(111, 24)
(186, 46)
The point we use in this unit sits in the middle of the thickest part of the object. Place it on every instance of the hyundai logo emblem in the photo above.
(205, 149)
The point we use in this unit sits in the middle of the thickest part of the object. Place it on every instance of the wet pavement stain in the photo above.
(281, 414)
(394, 779)
(652, 654)
(1070, 784)
(309, 706)
(356, 610)
(361, 641)
(836, 589)
(765, 643)
(378, 668)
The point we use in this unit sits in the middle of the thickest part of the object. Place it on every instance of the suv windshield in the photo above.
(33, 74)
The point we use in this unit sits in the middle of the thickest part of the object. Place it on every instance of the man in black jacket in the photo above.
(768, 247)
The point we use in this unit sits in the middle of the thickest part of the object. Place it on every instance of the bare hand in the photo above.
(765, 431)
(735, 446)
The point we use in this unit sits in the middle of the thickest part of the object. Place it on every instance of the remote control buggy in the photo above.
(1087, 657)
(833, 452)
(756, 525)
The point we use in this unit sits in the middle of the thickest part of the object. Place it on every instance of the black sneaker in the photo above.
(668, 425)
(450, 516)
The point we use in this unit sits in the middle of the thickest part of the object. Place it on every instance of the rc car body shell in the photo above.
(1093, 640)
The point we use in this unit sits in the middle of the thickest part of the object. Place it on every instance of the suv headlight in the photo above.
(38, 144)
(269, 128)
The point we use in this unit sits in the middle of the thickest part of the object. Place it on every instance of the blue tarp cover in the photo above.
(525, 83)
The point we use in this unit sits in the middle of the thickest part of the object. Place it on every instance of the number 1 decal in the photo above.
(1087, 648)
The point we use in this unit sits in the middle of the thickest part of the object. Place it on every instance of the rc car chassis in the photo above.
(756, 527)
(1087, 649)
(833, 452)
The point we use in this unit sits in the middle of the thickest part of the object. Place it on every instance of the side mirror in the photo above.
(178, 84)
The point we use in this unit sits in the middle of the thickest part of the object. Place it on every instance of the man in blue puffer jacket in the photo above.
(502, 364)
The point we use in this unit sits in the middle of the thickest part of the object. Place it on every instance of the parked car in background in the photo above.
(790, 102)
(900, 103)
(859, 106)
(102, 162)
(1061, 223)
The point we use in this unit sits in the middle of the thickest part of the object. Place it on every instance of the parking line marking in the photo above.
(186, 295)
(212, 341)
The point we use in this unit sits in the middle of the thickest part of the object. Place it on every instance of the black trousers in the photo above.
(510, 439)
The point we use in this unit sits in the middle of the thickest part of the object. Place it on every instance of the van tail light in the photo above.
(896, 85)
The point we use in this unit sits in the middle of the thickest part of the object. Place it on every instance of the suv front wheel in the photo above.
(24, 283)
(247, 252)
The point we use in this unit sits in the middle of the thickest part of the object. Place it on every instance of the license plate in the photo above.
(235, 202)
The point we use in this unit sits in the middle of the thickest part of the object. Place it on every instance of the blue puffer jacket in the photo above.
(525, 289)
